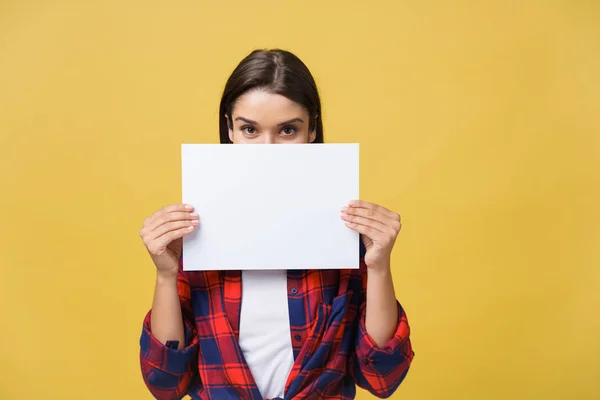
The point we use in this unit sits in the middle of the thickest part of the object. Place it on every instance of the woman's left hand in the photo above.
(379, 228)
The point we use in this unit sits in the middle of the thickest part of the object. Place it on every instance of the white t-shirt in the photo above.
(265, 337)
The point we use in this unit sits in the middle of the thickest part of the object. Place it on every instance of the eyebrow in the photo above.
(249, 121)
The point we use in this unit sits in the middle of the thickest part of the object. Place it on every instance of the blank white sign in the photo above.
(270, 206)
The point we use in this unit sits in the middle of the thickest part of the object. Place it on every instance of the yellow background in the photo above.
(479, 121)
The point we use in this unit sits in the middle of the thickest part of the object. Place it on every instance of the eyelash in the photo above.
(293, 128)
(245, 129)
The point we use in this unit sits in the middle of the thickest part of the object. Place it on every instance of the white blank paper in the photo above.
(270, 206)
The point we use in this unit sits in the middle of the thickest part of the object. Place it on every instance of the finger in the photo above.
(172, 217)
(370, 206)
(374, 215)
(168, 237)
(368, 213)
(147, 232)
(168, 209)
(171, 226)
(365, 230)
(372, 223)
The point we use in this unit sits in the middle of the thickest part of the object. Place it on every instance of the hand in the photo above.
(379, 228)
(162, 233)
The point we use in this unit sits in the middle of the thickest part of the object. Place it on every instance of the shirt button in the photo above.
(294, 290)
(297, 338)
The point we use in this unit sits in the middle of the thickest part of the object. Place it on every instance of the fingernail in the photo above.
(188, 207)
(194, 214)
(190, 227)
(345, 209)
(195, 222)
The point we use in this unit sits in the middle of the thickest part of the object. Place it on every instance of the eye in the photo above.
(289, 130)
(249, 130)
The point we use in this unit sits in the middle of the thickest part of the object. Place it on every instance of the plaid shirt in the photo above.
(332, 350)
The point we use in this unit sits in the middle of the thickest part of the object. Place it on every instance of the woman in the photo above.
(310, 334)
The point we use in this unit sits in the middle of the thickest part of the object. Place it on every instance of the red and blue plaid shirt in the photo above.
(333, 353)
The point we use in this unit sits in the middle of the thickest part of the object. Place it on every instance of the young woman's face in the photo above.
(266, 118)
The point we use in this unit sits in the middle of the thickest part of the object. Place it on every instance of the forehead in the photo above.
(260, 105)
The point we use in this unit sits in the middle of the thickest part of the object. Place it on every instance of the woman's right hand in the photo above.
(162, 233)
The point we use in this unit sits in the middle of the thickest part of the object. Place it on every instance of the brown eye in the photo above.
(289, 130)
(250, 130)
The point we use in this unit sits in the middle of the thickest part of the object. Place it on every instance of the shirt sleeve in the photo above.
(168, 372)
(380, 370)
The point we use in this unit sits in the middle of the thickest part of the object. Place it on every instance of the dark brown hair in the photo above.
(276, 71)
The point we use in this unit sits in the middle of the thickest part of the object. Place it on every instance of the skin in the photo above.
(266, 118)
(261, 117)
